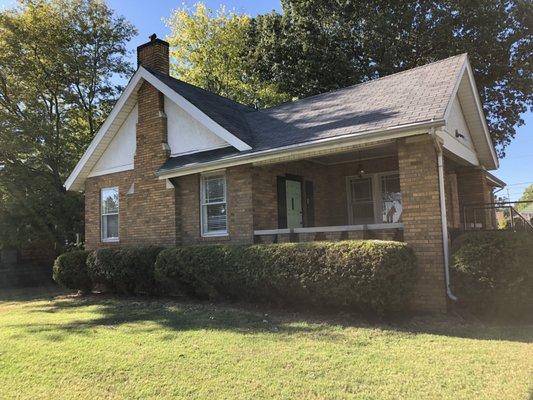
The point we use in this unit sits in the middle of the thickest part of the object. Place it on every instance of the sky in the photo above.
(516, 169)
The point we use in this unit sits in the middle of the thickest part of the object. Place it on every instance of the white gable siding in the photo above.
(456, 121)
(118, 156)
(185, 134)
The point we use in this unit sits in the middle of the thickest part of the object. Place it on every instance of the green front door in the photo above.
(294, 204)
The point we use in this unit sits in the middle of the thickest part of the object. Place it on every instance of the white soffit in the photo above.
(466, 93)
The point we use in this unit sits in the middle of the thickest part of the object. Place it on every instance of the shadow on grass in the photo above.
(150, 315)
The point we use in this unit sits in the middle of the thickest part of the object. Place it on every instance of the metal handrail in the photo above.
(497, 205)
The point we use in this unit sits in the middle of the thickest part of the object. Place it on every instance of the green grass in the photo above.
(61, 347)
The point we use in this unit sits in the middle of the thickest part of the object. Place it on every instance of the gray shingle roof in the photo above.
(416, 95)
(227, 113)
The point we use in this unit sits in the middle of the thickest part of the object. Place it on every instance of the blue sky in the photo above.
(516, 168)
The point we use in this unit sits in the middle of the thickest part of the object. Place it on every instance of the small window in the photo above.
(110, 206)
(213, 204)
(362, 201)
(391, 198)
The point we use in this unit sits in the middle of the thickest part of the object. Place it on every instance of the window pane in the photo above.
(214, 218)
(391, 198)
(110, 226)
(362, 189)
(214, 189)
(109, 201)
(363, 213)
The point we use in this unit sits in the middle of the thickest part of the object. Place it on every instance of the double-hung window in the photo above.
(109, 211)
(375, 198)
(213, 204)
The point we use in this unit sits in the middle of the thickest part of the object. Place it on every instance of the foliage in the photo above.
(317, 45)
(125, 270)
(492, 274)
(526, 196)
(70, 271)
(209, 49)
(367, 275)
(57, 58)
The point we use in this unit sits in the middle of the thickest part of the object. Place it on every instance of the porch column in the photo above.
(421, 217)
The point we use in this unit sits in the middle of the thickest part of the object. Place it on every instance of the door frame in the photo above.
(282, 199)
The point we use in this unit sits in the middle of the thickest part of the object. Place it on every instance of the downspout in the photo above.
(444, 219)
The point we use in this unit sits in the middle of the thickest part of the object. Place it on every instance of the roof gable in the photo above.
(466, 92)
(120, 112)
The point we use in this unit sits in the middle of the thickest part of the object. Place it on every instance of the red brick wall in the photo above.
(422, 218)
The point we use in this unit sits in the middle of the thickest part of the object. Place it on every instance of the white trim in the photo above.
(457, 148)
(470, 74)
(130, 88)
(307, 149)
(224, 146)
(220, 233)
(455, 89)
(72, 181)
(120, 168)
(109, 239)
(325, 229)
(481, 114)
(194, 112)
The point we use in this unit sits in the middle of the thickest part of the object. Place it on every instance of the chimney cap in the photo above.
(153, 40)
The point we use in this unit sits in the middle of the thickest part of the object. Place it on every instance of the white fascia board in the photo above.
(194, 111)
(460, 150)
(468, 69)
(131, 86)
(481, 114)
(120, 168)
(302, 149)
(455, 90)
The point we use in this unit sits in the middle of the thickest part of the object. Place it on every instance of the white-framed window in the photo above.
(109, 212)
(374, 198)
(213, 205)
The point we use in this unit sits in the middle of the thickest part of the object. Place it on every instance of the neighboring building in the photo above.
(391, 158)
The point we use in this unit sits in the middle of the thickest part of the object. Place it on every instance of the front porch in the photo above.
(348, 195)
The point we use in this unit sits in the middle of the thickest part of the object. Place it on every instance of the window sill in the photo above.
(217, 234)
(110, 240)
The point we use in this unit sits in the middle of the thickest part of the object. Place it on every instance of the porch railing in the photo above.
(387, 231)
(496, 216)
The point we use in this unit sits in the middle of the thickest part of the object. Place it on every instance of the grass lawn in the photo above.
(54, 346)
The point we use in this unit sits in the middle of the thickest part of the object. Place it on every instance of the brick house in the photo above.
(393, 158)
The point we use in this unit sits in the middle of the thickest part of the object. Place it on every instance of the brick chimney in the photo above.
(152, 205)
(154, 55)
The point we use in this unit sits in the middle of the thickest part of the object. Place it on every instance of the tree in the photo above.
(322, 45)
(210, 50)
(57, 60)
(526, 196)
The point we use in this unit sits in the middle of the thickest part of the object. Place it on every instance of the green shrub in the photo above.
(366, 275)
(125, 270)
(492, 273)
(70, 271)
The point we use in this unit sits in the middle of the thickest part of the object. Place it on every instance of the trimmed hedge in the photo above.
(365, 275)
(124, 270)
(492, 273)
(70, 271)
